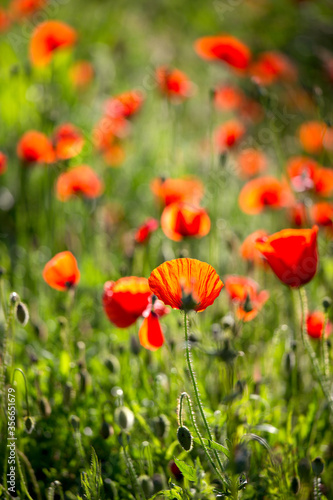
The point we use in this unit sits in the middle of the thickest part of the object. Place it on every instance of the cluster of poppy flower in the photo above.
(19, 10)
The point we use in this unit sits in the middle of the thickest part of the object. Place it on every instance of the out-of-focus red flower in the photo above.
(62, 272)
(114, 155)
(169, 190)
(186, 284)
(272, 66)
(81, 180)
(25, 8)
(81, 74)
(292, 254)
(124, 105)
(328, 139)
(4, 20)
(244, 292)
(125, 300)
(264, 192)
(224, 48)
(156, 305)
(180, 220)
(143, 233)
(251, 162)
(323, 181)
(3, 163)
(251, 111)
(68, 141)
(110, 130)
(49, 37)
(229, 134)
(297, 214)
(35, 147)
(228, 98)
(150, 333)
(174, 84)
(301, 171)
(322, 214)
(248, 248)
(315, 325)
(311, 135)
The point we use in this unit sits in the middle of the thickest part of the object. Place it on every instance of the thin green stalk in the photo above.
(324, 349)
(132, 473)
(23, 485)
(26, 387)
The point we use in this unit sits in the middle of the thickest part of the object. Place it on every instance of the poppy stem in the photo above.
(324, 348)
(195, 388)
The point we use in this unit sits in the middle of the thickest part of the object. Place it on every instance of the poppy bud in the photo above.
(124, 418)
(112, 364)
(227, 353)
(295, 485)
(317, 466)
(247, 307)
(68, 393)
(84, 379)
(289, 362)
(106, 430)
(216, 329)
(241, 459)
(228, 322)
(159, 482)
(161, 426)
(22, 313)
(29, 424)
(2, 271)
(14, 298)
(185, 438)
(45, 407)
(327, 302)
(304, 469)
(135, 345)
(75, 422)
(147, 485)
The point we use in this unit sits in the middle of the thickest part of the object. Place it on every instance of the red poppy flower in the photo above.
(3, 163)
(292, 255)
(150, 332)
(315, 325)
(170, 191)
(125, 300)
(47, 38)
(68, 141)
(251, 162)
(81, 74)
(311, 136)
(248, 248)
(251, 111)
(180, 220)
(4, 20)
(301, 170)
(144, 232)
(186, 284)
(124, 105)
(110, 130)
(61, 272)
(228, 98)
(224, 48)
(25, 8)
(264, 192)
(297, 214)
(322, 215)
(174, 84)
(244, 292)
(323, 181)
(272, 66)
(229, 134)
(157, 306)
(79, 180)
(35, 147)
(114, 155)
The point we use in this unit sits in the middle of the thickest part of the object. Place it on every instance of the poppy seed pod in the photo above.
(295, 485)
(29, 424)
(147, 485)
(112, 364)
(75, 422)
(161, 426)
(317, 466)
(159, 482)
(184, 437)
(14, 298)
(327, 302)
(45, 407)
(106, 430)
(124, 418)
(22, 313)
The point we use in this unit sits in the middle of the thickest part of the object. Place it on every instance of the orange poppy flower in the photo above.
(25, 8)
(328, 139)
(68, 141)
(229, 134)
(244, 293)
(228, 98)
(81, 74)
(224, 48)
(323, 181)
(81, 180)
(109, 130)
(3, 163)
(174, 84)
(292, 255)
(311, 135)
(248, 249)
(169, 190)
(125, 300)
(143, 233)
(297, 213)
(322, 215)
(315, 325)
(251, 162)
(264, 192)
(47, 38)
(35, 147)
(114, 155)
(4, 20)
(186, 284)
(61, 272)
(180, 220)
(150, 332)
(272, 66)
(124, 105)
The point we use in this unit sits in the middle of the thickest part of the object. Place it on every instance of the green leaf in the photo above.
(187, 470)
(213, 445)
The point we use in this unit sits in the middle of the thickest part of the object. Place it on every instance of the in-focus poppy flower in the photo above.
(322, 214)
(292, 254)
(244, 293)
(248, 250)
(143, 233)
(251, 162)
(229, 134)
(174, 84)
(228, 98)
(35, 147)
(180, 220)
(124, 105)
(297, 214)
(150, 332)
(81, 180)
(311, 135)
(25, 8)
(4, 20)
(224, 48)
(81, 74)
(49, 37)
(3, 163)
(186, 284)
(169, 190)
(264, 192)
(125, 300)
(68, 141)
(272, 66)
(315, 325)
(301, 171)
(62, 272)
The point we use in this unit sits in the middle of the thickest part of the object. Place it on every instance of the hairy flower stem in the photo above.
(196, 390)
(324, 349)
